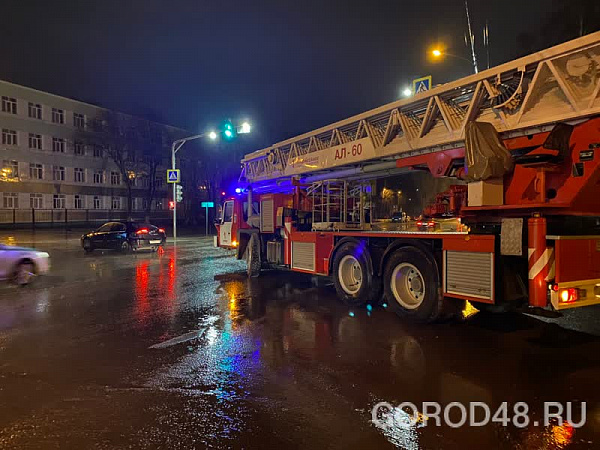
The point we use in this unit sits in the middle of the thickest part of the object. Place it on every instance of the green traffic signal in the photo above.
(228, 130)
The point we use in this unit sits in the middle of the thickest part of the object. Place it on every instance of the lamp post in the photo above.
(437, 53)
(176, 146)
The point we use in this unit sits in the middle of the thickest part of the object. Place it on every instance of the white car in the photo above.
(21, 264)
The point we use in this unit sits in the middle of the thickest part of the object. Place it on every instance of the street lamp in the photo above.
(438, 53)
(245, 128)
(176, 146)
(407, 92)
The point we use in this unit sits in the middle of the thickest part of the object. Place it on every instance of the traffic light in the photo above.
(229, 131)
(171, 205)
(179, 193)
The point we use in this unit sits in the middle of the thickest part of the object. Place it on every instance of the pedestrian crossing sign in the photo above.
(421, 84)
(173, 176)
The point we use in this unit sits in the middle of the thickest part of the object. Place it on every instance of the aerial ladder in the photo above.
(521, 226)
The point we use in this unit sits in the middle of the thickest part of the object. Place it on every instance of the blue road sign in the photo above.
(421, 84)
(208, 204)
(173, 176)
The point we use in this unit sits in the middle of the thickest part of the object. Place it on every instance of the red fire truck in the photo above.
(521, 225)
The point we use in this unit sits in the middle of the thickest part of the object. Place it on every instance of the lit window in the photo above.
(10, 169)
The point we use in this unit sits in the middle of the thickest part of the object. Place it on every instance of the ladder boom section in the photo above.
(559, 84)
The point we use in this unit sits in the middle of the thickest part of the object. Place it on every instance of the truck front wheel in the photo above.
(412, 286)
(354, 281)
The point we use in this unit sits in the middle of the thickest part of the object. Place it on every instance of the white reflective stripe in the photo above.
(288, 229)
(540, 263)
(530, 252)
(552, 271)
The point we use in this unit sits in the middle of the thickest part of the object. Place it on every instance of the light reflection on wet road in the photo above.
(181, 350)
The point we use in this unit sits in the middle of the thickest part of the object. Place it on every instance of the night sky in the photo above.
(286, 66)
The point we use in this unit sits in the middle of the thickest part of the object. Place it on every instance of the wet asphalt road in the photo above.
(181, 350)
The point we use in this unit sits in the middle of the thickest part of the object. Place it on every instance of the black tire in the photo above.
(353, 277)
(253, 257)
(125, 247)
(87, 246)
(412, 285)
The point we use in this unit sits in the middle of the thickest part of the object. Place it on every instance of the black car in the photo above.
(124, 236)
(398, 217)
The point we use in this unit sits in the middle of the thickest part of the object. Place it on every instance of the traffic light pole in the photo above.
(175, 147)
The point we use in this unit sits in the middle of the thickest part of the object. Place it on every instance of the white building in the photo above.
(54, 156)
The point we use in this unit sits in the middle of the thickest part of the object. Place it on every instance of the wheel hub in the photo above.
(408, 286)
(350, 274)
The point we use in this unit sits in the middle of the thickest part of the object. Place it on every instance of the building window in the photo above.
(79, 175)
(97, 202)
(36, 201)
(58, 173)
(58, 115)
(35, 141)
(58, 145)
(79, 148)
(36, 172)
(10, 200)
(9, 105)
(98, 176)
(58, 201)
(145, 204)
(10, 169)
(9, 137)
(115, 178)
(35, 111)
(78, 202)
(116, 203)
(97, 151)
(158, 182)
(78, 120)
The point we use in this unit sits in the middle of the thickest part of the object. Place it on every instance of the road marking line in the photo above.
(180, 339)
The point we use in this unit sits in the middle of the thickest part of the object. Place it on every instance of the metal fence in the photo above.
(63, 217)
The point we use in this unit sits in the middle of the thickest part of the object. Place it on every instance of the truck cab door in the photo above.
(225, 230)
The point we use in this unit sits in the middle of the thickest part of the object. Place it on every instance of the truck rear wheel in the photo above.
(354, 281)
(412, 286)
(253, 259)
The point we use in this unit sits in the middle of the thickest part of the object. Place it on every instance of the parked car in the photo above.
(125, 237)
(398, 217)
(21, 264)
